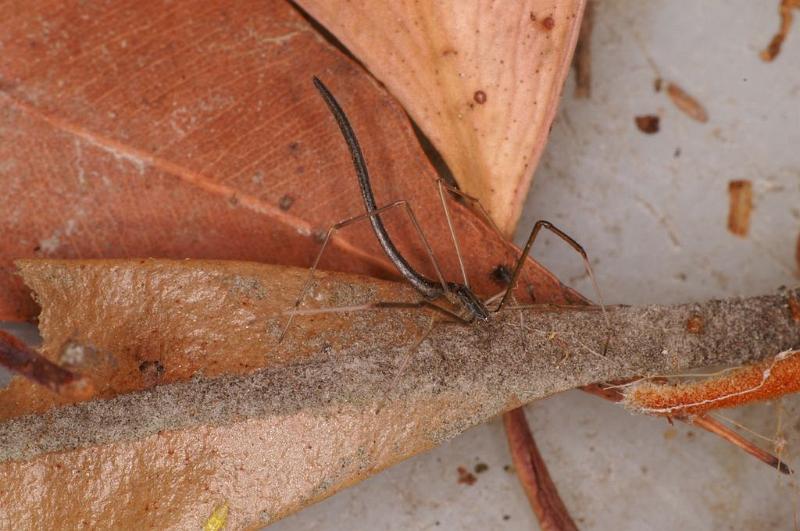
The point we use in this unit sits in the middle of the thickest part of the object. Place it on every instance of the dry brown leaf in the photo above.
(191, 129)
(329, 409)
(222, 300)
(482, 80)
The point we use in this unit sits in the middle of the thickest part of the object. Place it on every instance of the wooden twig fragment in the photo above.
(774, 48)
(534, 476)
(614, 394)
(582, 61)
(687, 104)
(734, 438)
(740, 193)
(20, 359)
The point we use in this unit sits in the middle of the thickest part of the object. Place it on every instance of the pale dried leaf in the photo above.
(482, 79)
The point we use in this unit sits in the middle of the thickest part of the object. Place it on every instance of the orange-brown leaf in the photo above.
(192, 129)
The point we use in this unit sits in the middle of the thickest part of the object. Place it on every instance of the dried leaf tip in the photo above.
(761, 381)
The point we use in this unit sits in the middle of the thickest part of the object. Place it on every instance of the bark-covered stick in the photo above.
(329, 409)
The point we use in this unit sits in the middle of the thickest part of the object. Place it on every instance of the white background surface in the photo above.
(655, 226)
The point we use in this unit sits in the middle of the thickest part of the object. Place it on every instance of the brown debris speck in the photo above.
(741, 204)
(686, 103)
(549, 23)
(480, 468)
(648, 123)
(657, 82)
(151, 370)
(286, 202)
(695, 324)
(479, 97)
(774, 48)
(465, 477)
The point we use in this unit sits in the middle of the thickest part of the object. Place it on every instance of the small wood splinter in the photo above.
(20, 359)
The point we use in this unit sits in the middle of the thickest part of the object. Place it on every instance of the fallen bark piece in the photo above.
(330, 405)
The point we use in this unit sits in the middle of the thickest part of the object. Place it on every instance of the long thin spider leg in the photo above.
(481, 210)
(543, 224)
(342, 224)
(404, 364)
(440, 186)
(476, 202)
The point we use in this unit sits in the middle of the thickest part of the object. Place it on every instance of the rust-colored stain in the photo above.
(465, 477)
(695, 324)
(648, 123)
(762, 381)
(686, 103)
(774, 47)
(740, 193)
